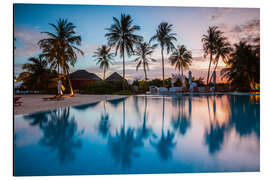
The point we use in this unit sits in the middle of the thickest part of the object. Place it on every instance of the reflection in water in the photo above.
(60, 132)
(122, 145)
(182, 120)
(39, 118)
(144, 131)
(104, 124)
(141, 133)
(165, 144)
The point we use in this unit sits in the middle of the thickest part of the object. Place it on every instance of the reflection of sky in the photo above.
(189, 24)
(234, 148)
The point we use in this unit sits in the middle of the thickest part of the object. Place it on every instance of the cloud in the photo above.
(218, 13)
(246, 32)
(26, 42)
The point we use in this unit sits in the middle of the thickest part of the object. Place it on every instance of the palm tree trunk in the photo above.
(70, 86)
(182, 71)
(162, 66)
(144, 71)
(207, 82)
(213, 72)
(123, 84)
(104, 75)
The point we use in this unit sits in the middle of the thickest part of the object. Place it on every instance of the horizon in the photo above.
(189, 23)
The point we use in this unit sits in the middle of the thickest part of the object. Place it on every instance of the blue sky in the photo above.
(189, 24)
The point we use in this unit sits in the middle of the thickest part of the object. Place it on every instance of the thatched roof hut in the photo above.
(114, 77)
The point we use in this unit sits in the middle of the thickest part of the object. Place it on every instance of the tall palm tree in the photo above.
(165, 38)
(121, 35)
(243, 67)
(37, 75)
(224, 50)
(143, 52)
(60, 48)
(181, 58)
(103, 57)
(209, 41)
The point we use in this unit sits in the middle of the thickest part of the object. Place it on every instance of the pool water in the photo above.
(141, 134)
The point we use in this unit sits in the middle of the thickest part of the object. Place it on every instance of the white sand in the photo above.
(35, 103)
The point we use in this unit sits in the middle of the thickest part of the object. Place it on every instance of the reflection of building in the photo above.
(81, 77)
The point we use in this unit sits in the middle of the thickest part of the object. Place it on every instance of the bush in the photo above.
(103, 87)
(126, 92)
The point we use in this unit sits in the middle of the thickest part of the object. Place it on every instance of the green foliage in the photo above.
(243, 67)
(123, 92)
(103, 87)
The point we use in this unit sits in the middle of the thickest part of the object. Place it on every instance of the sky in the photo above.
(91, 21)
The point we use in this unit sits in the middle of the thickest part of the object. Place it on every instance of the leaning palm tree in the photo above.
(103, 57)
(143, 52)
(181, 58)
(224, 50)
(209, 41)
(165, 38)
(121, 35)
(60, 48)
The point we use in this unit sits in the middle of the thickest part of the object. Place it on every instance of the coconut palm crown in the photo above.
(144, 52)
(209, 41)
(121, 35)
(181, 58)
(104, 58)
(165, 38)
(60, 47)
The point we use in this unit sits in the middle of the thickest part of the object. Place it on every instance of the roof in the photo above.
(84, 75)
(114, 77)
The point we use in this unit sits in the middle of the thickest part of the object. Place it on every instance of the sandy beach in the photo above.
(35, 103)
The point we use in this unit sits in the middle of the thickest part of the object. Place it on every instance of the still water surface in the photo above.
(141, 134)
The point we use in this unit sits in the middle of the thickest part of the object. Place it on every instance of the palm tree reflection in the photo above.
(61, 134)
(144, 132)
(39, 118)
(165, 144)
(104, 124)
(214, 136)
(122, 145)
(182, 121)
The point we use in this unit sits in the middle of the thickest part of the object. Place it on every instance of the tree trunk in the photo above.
(144, 71)
(70, 86)
(123, 83)
(213, 72)
(104, 75)
(207, 82)
(162, 66)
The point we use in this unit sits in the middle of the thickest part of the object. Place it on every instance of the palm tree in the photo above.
(37, 75)
(165, 38)
(209, 41)
(181, 58)
(224, 50)
(243, 67)
(61, 47)
(144, 51)
(103, 57)
(121, 36)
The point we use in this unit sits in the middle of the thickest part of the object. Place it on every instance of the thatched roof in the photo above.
(114, 77)
(84, 75)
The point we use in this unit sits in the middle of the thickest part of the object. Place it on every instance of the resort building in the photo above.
(81, 77)
(114, 77)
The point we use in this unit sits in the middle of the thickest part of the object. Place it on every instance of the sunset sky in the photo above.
(189, 24)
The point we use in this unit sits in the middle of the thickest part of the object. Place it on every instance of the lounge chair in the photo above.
(162, 89)
(175, 89)
(56, 98)
(17, 102)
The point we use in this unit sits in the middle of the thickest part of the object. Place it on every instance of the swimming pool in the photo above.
(141, 134)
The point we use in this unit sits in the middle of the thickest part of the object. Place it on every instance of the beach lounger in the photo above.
(17, 102)
(54, 98)
(162, 89)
